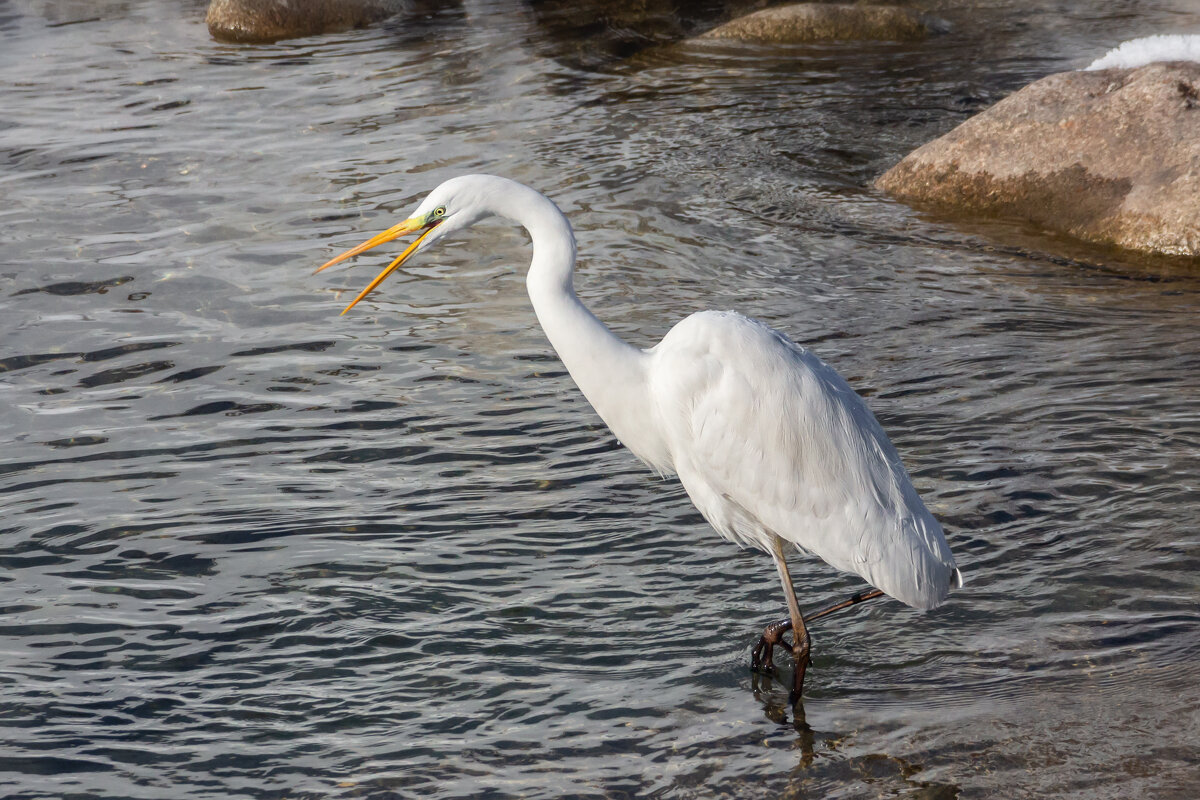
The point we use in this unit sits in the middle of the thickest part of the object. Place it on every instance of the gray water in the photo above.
(255, 549)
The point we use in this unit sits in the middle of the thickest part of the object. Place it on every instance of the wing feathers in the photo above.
(767, 439)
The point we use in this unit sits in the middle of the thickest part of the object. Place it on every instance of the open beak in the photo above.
(394, 232)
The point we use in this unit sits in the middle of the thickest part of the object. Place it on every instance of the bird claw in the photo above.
(758, 662)
(762, 658)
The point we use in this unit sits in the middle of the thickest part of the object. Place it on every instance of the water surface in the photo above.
(253, 549)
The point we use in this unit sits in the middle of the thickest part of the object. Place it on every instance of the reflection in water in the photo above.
(599, 34)
(766, 692)
(251, 548)
(821, 768)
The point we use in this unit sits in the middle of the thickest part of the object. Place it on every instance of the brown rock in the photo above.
(272, 20)
(812, 22)
(1111, 156)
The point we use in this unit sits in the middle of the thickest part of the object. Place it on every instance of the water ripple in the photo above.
(255, 549)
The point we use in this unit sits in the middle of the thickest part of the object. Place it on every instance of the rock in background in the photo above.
(1111, 157)
(814, 22)
(272, 20)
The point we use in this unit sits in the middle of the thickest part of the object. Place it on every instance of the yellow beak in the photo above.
(394, 232)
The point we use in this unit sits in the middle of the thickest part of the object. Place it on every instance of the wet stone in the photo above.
(814, 22)
(272, 20)
(1110, 156)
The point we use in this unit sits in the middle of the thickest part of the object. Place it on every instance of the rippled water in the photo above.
(253, 549)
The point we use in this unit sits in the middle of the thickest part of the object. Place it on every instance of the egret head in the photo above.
(456, 204)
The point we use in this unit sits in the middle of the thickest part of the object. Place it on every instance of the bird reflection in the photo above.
(775, 707)
(874, 768)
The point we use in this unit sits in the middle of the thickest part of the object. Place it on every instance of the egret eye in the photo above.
(440, 211)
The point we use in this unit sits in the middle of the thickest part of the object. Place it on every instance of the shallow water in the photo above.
(253, 549)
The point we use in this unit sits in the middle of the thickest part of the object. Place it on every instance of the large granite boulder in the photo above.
(1110, 156)
(814, 22)
(272, 20)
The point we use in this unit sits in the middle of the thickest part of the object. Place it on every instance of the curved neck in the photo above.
(610, 373)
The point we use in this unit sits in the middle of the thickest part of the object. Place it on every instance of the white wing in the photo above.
(768, 439)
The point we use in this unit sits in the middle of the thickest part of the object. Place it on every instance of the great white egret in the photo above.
(772, 445)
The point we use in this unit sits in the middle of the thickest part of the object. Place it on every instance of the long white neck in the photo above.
(611, 374)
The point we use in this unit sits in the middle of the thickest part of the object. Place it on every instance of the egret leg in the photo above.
(801, 644)
(853, 600)
(762, 657)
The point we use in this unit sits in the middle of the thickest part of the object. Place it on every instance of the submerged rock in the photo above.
(272, 20)
(812, 22)
(1110, 156)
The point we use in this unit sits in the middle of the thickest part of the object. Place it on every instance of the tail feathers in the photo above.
(958, 577)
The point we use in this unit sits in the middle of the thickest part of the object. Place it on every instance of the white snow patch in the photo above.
(1147, 50)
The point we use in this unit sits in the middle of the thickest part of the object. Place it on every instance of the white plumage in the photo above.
(771, 444)
(768, 439)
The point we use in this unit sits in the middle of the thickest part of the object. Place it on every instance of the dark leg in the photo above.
(762, 657)
(855, 599)
(800, 641)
